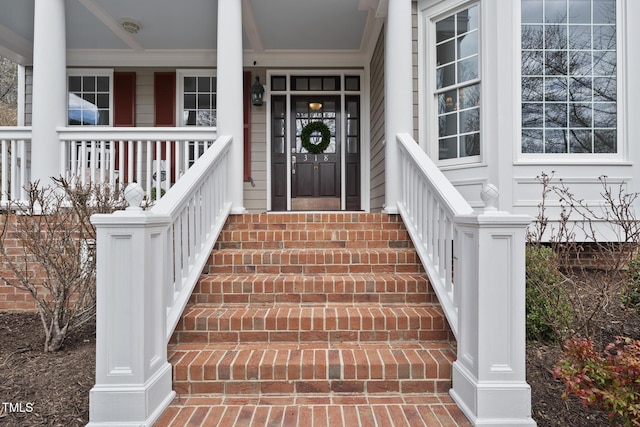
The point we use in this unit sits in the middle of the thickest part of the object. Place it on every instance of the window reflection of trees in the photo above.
(569, 85)
(457, 84)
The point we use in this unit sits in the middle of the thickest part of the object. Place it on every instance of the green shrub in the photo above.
(549, 313)
(631, 293)
(153, 193)
(610, 381)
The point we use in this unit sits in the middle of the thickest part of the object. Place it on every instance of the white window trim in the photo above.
(433, 11)
(622, 156)
(93, 72)
(180, 75)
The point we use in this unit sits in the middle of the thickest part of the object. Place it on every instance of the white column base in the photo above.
(391, 210)
(491, 403)
(130, 405)
(238, 210)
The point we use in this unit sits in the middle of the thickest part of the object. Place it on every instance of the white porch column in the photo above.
(229, 76)
(398, 85)
(489, 376)
(133, 376)
(49, 107)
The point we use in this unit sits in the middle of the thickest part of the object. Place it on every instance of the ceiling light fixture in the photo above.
(315, 106)
(130, 25)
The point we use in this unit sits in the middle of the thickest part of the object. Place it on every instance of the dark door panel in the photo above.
(316, 175)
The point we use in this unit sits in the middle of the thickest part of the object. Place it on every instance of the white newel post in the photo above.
(398, 83)
(489, 381)
(49, 104)
(133, 377)
(230, 94)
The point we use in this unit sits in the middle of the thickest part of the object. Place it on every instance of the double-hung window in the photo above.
(90, 102)
(197, 105)
(457, 85)
(197, 97)
(569, 76)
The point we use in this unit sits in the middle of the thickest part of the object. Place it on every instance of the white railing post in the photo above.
(133, 376)
(489, 382)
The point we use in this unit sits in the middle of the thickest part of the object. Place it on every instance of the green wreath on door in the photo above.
(306, 133)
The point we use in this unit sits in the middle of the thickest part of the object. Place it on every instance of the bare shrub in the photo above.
(48, 245)
(593, 246)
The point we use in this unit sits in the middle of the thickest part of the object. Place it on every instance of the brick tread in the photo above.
(335, 410)
(318, 288)
(287, 322)
(314, 261)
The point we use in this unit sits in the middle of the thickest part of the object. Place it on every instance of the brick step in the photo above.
(314, 220)
(302, 239)
(329, 230)
(303, 323)
(335, 410)
(314, 261)
(315, 367)
(323, 288)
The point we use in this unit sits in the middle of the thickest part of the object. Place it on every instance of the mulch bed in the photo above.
(46, 389)
(58, 384)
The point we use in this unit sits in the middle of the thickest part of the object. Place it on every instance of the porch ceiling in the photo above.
(270, 26)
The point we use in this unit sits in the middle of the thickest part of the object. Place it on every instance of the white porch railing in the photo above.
(429, 203)
(155, 158)
(15, 146)
(147, 265)
(475, 262)
(116, 156)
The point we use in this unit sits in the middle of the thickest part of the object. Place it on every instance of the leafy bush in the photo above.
(610, 381)
(548, 309)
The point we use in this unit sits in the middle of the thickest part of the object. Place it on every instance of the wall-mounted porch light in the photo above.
(257, 92)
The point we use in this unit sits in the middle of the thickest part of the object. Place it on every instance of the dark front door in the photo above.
(315, 173)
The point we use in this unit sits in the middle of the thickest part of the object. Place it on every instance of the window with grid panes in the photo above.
(457, 86)
(89, 99)
(199, 101)
(569, 76)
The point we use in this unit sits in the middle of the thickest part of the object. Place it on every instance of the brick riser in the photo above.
(246, 369)
(338, 303)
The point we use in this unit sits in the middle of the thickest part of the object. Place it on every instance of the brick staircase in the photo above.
(301, 317)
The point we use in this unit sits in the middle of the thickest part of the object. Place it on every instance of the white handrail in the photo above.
(428, 205)
(476, 265)
(148, 263)
(198, 206)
